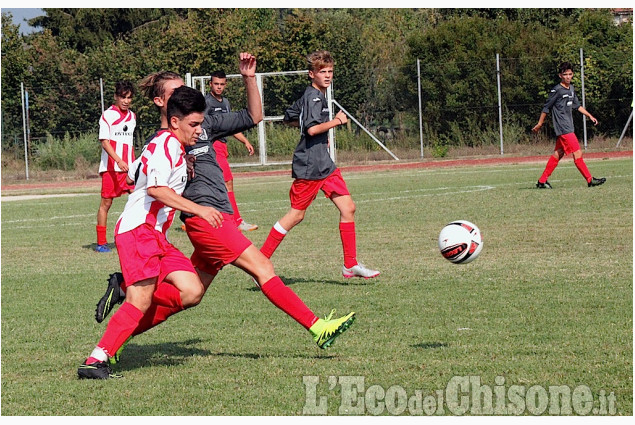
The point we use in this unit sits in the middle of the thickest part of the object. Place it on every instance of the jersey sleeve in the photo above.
(312, 112)
(105, 122)
(576, 102)
(222, 125)
(293, 112)
(553, 96)
(161, 162)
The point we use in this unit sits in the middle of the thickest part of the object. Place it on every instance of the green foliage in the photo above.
(62, 153)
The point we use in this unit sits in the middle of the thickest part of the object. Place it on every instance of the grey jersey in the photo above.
(216, 107)
(560, 103)
(311, 159)
(208, 186)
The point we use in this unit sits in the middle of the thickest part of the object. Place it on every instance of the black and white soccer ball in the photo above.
(460, 242)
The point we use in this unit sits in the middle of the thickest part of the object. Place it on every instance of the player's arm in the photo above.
(105, 144)
(170, 198)
(545, 110)
(340, 119)
(242, 139)
(248, 71)
(588, 115)
(541, 121)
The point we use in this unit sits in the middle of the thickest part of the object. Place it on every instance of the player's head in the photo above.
(565, 71)
(320, 65)
(124, 91)
(158, 87)
(185, 112)
(218, 82)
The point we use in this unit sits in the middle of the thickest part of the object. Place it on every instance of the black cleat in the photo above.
(99, 370)
(114, 295)
(545, 185)
(596, 182)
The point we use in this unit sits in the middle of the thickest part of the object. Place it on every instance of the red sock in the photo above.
(271, 244)
(232, 200)
(286, 300)
(101, 235)
(583, 169)
(167, 295)
(347, 233)
(120, 327)
(552, 163)
(156, 314)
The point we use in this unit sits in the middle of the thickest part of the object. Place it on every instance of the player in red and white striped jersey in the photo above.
(116, 129)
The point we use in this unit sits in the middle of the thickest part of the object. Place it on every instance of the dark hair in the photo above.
(218, 74)
(565, 66)
(123, 87)
(319, 59)
(152, 85)
(184, 101)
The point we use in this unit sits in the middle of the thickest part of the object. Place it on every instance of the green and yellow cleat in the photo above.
(325, 330)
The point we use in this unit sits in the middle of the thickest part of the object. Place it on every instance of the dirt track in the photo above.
(354, 168)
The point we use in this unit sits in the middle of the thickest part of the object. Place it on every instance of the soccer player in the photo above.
(217, 247)
(561, 101)
(154, 270)
(218, 104)
(314, 170)
(116, 128)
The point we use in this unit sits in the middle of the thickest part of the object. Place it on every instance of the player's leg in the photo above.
(552, 163)
(582, 168)
(324, 331)
(120, 327)
(335, 189)
(102, 222)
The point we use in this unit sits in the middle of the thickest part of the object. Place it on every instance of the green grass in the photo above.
(549, 302)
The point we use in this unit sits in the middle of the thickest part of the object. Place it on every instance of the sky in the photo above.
(20, 14)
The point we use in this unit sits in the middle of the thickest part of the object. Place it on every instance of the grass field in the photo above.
(548, 303)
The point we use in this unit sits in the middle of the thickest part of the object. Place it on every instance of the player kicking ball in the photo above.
(216, 247)
(314, 170)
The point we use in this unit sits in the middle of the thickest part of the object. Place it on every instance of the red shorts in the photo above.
(568, 143)
(145, 253)
(214, 248)
(303, 192)
(113, 184)
(221, 158)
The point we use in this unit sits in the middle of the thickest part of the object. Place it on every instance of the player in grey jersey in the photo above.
(561, 102)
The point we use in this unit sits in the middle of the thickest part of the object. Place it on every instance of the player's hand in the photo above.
(592, 118)
(123, 166)
(189, 163)
(247, 64)
(536, 128)
(211, 215)
(342, 117)
(250, 148)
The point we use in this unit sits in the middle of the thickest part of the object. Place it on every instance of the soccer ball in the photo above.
(460, 242)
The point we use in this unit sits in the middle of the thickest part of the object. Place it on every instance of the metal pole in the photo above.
(329, 99)
(583, 98)
(624, 131)
(420, 112)
(26, 150)
(101, 91)
(500, 108)
(262, 142)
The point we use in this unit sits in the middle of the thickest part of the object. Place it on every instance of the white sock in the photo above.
(99, 354)
(279, 228)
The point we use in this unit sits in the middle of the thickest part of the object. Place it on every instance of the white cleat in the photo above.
(359, 270)
(246, 227)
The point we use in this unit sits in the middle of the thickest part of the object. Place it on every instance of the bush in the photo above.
(62, 154)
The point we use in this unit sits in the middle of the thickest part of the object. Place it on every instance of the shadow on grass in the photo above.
(293, 280)
(430, 345)
(176, 353)
(92, 246)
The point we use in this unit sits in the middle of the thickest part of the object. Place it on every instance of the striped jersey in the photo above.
(162, 163)
(117, 127)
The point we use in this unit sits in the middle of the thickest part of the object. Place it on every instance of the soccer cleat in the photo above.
(114, 295)
(596, 182)
(103, 248)
(246, 227)
(359, 270)
(99, 370)
(545, 185)
(325, 330)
